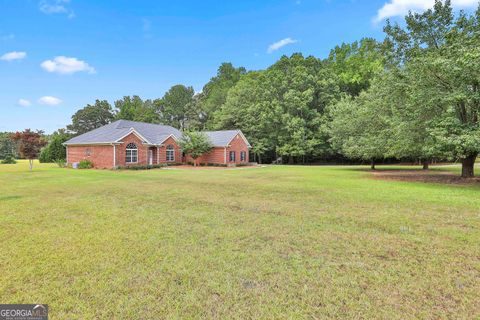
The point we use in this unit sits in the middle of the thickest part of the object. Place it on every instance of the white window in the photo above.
(243, 156)
(170, 153)
(232, 156)
(131, 153)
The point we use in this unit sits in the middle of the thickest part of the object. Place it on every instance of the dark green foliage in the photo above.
(45, 156)
(214, 93)
(85, 164)
(7, 145)
(135, 109)
(9, 159)
(91, 117)
(177, 107)
(142, 167)
(55, 150)
(356, 64)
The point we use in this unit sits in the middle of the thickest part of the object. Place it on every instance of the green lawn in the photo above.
(273, 242)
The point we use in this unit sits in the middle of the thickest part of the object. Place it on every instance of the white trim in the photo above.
(225, 155)
(171, 135)
(136, 156)
(91, 144)
(158, 155)
(66, 149)
(135, 132)
(166, 153)
(243, 137)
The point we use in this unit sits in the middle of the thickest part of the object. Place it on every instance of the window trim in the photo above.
(230, 156)
(243, 156)
(170, 149)
(133, 150)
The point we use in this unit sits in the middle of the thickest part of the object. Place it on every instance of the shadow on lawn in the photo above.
(6, 198)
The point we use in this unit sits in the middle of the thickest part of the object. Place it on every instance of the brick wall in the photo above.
(100, 156)
(163, 151)
(121, 153)
(217, 154)
(237, 145)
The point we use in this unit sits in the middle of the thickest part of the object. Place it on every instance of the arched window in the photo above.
(170, 153)
(131, 153)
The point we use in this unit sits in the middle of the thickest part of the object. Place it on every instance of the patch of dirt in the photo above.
(428, 176)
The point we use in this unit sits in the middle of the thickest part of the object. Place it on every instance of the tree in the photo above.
(439, 53)
(91, 117)
(356, 64)
(361, 127)
(55, 150)
(214, 93)
(177, 106)
(135, 109)
(8, 147)
(282, 109)
(195, 144)
(30, 144)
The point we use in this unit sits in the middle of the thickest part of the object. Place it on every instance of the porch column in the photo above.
(158, 155)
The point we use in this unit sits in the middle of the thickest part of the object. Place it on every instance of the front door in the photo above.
(150, 157)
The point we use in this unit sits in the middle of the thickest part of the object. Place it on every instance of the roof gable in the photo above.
(224, 137)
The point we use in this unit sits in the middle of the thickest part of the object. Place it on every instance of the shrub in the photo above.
(45, 155)
(9, 159)
(142, 167)
(62, 163)
(85, 164)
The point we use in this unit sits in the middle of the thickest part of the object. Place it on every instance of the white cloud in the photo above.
(14, 55)
(395, 8)
(24, 102)
(279, 44)
(56, 6)
(66, 65)
(49, 101)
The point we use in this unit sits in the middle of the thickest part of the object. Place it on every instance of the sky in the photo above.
(56, 56)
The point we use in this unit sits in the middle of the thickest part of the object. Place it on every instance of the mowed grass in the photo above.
(279, 242)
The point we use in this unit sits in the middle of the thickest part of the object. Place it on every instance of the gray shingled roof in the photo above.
(153, 133)
(222, 138)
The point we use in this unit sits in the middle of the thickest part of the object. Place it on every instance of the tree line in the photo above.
(415, 95)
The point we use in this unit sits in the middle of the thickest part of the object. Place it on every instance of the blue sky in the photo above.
(58, 55)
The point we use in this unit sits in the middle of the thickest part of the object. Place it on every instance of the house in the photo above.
(126, 143)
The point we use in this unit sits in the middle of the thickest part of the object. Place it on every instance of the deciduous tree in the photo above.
(30, 144)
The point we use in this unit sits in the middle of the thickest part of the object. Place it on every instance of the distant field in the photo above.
(274, 242)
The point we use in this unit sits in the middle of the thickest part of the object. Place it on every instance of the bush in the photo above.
(9, 159)
(62, 163)
(45, 155)
(85, 164)
(143, 167)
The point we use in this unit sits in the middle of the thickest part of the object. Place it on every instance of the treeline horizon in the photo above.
(413, 96)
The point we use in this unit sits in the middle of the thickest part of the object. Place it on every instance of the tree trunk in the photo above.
(426, 163)
(372, 165)
(468, 164)
(259, 158)
(30, 163)
(290, 160)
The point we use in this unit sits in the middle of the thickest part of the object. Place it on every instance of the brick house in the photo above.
(124, 143)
